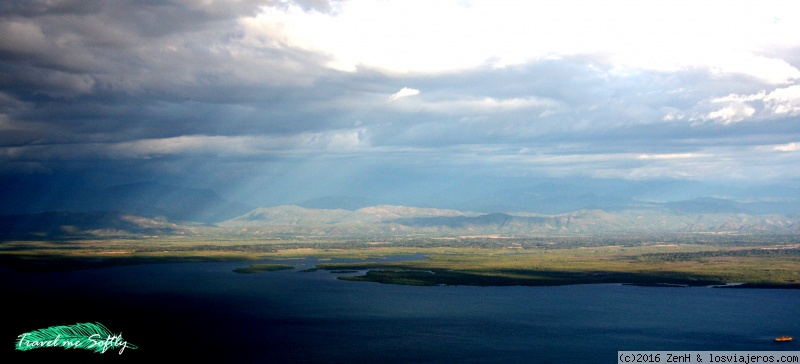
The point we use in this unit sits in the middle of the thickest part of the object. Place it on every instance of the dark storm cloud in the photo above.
(114, 71)
(153, 48)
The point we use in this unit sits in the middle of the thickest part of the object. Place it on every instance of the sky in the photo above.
(276, 101)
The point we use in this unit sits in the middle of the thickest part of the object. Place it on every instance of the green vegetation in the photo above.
(664, 259)
(522, 278)
(255, 268)
(646, 264)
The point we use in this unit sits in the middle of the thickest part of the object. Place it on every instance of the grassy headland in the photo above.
(256, 268)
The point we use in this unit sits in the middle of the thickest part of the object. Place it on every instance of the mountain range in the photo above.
(155, 209)
(410, 220)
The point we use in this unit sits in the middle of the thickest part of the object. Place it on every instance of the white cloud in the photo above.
(732, 113)
(781, 102)
(447, 35)
(472, 106)
(671, 156)
(404, 92)
(671, 114)
(784, 101)
(791, 147)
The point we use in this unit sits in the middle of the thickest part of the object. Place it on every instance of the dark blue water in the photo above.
(204, 311)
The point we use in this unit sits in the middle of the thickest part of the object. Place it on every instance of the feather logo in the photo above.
(89, 336)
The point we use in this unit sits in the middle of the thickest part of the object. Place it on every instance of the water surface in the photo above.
(207, 312)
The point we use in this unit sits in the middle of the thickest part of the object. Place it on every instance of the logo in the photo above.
(88, 336)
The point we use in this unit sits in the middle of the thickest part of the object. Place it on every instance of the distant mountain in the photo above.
(410, 220)
(59, 224)
(172, 202)
(566, 195)
(81, 193)
(710, 205)
(578, 222)
(390, 220)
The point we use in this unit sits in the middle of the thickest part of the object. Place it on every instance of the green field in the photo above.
(678, 259)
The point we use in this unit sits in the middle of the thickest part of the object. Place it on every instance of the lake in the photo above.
(204, 311)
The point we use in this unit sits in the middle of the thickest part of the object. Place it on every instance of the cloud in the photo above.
(671, 156)
(732, 113)
(23, 37)
(485, 105)
(778, 103)
(784, 101)
(404, 92)
(244, 146)
(791, 147)
(270, 89)
(76, 48)
(376, 34)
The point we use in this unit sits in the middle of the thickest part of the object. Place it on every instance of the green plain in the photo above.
(677, 259)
